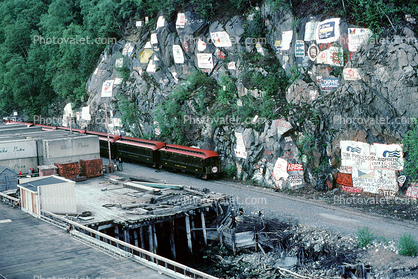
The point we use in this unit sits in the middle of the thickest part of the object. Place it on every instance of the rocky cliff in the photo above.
(273, 94)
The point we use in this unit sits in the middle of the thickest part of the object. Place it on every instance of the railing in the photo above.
(11, 200)
(147, 258)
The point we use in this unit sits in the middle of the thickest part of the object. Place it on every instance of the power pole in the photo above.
(108, 140)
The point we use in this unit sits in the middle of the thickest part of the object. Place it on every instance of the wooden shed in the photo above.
(8, 179)
(51, 193)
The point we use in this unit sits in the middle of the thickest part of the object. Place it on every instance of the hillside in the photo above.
(276, 88)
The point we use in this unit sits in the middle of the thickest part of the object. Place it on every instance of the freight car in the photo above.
(203, 163)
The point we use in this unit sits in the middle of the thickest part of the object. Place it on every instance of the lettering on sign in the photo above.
(373, 181)
(351, 189)
(328, 84)
(344, 179)
(294, 167)
(294, 182)
(344, 169)
(386, 157)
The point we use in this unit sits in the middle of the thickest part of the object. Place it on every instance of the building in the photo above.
(8, 179)
(52, 193)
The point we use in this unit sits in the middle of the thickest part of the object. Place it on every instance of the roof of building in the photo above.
(33, 183)
(3, 168)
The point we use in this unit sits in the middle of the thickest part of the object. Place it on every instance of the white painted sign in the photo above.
(240, 150)
(148, 45)
(128, 49)
(68, 110)
(204, 60)
(356, 36)
(107, 88)
(160, 22)
(151, 66)
(351, 74)
(181, 20)
(287, 39)
(139, 23)
(331, 56)
(157, 128)
(328, 31)
(118, 80)
(85, 113)
(178, 54)
(355, 154)
(119, 63)
(221, 39)
(231, 66)
(373, 181)
(310, 29)
(116, 122)
(386, 157)
(154, 39)
(280, 174)
(201, 45)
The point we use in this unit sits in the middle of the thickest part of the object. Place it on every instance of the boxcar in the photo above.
(139, 150)
(204, 163)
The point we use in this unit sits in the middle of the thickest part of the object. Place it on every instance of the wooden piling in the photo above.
(155, 239)
(150, 238)
(141, 236)
(173, 240)
(136, 238)
(188, 233)
(126, 238)
(202, 217)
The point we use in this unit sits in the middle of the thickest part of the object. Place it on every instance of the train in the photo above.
(205, 164)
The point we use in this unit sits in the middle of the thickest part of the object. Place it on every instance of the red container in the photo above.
(68, 169)
(91, 167)
(47, 170)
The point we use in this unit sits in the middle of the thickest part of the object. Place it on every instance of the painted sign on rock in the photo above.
(355, 154)
(386, 157)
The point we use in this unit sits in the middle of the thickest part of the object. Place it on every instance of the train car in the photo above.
(104, 146)
(80, 131)
(204, 163)
(139, 150)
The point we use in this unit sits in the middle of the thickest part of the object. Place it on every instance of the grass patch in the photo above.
(408, 246)
(364, 237)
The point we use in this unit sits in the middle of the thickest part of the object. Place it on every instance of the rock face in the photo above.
(369, 95)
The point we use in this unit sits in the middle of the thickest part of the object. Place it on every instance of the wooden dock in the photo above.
(32, 248)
